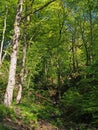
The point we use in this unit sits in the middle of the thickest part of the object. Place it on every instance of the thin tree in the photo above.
(15, 43)
(3, 35)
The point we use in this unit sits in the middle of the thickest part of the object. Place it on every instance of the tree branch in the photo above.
(40, 8)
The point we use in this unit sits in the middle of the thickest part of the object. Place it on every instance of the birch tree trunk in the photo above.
(24, 49)
(22, 74)
(15, 43)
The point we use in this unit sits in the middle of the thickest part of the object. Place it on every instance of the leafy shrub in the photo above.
(80, 107)
(71, 104)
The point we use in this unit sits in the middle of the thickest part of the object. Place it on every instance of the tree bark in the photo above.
(73, 54)
(15, 43)
(3, 36)
(24, 49)
(91, 36)
(21, 76)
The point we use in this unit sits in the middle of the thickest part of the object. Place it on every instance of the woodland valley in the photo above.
(49, 65)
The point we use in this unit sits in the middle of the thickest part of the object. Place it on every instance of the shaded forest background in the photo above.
(57, 64)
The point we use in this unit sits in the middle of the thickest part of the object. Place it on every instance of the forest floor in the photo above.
(42, 125)
(8, 124)
(20, 123)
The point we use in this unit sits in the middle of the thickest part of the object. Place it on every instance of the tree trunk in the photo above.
(21, 76)
(82, 29)
(73, 54)
(91, 36)
(15, 43)
(86, 48)
(24, 49)
(18, 98)
(3, 36)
